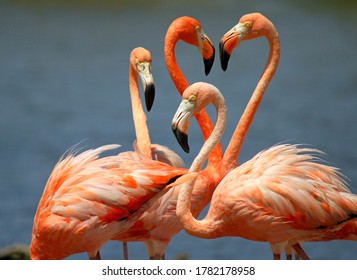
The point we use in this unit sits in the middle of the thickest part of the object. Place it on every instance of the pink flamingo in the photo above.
(156, 222)
(281, 196)
(80, 182)
(140, 63)
(245, 31)
(87, 199)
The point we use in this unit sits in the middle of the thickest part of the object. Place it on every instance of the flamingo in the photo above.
(140, 64)
(245, 30)
(283, 195)
(87, 199)
(65, 173)
(156, 222)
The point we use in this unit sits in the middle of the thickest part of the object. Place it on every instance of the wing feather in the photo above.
(84, 185)
(289, 183)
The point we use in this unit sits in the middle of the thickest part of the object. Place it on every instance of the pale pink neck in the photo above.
(230, 158)
(142, 133)
(181, 84)
(213, 139)
(204, 227)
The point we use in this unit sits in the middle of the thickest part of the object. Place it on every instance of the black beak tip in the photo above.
(149, 96)
(209, 63)
(182, 138)
(224, 56)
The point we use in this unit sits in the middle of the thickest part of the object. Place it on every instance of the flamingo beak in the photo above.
(207, 50)
(144, 70)
(230, 41)
(208, 54)
(181, 123)
(182, 138)
(149, 95)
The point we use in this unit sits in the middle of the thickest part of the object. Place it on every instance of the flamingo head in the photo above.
(250, 26)
(141, 59)
(195, 98)
(181, 121)
(190, 31)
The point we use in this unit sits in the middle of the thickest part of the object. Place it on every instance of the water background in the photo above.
(64, 79)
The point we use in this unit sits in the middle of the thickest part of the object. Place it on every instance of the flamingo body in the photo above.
(86, 198)
(280, 194)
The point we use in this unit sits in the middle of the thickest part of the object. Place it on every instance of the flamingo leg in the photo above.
(300, 252)
(288, 251)
(276, 248)
(276, 256)
(157, 257)
(125, 251)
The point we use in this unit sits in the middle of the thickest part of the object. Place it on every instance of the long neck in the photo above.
(181, 84)
(204, 227)
(141, 129)
(175, 72)
(230, 158)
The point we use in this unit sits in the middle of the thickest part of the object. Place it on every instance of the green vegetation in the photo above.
(336, 6)
(15, 252)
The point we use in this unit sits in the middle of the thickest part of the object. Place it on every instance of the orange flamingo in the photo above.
(283, 195)
(156, 222)
(87, 199)
(244, 31)
(140, 64)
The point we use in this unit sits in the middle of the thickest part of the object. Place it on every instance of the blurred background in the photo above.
(64, 80)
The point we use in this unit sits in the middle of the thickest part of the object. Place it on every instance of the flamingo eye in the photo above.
(199, 32)
(140, 66)
(247, 24)
(192, 98)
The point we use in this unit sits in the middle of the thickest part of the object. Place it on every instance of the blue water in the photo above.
(64, 79)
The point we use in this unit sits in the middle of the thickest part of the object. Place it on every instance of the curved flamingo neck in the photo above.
(230, 158)
(203, 119)
(213, 139)
(142, 133)
(203, 228)
(175, 72)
